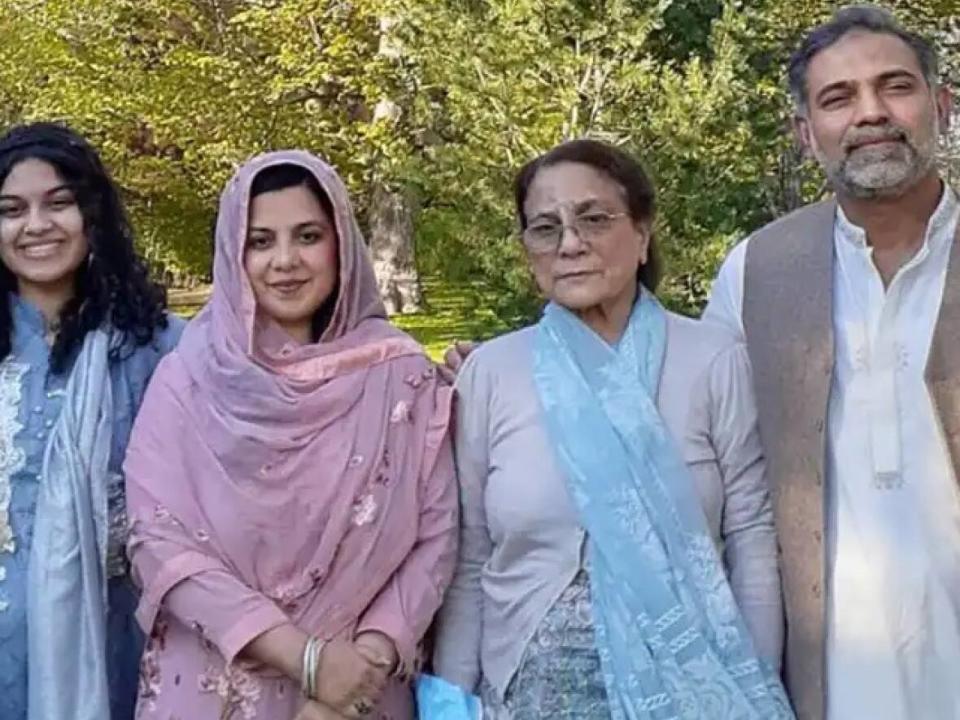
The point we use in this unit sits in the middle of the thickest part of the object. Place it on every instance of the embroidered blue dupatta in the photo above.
(67, 609)
(671, 640)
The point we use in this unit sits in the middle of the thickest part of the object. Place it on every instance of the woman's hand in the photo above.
(315, 711)
(347, 681)
(378, 649)
(453, 358)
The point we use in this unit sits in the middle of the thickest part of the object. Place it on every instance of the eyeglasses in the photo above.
(544, 237)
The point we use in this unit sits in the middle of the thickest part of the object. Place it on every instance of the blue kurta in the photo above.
(30, 402)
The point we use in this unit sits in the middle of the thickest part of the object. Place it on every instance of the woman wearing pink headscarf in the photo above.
(290, 480)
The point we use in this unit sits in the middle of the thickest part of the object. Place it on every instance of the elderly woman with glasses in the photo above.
(618, 556)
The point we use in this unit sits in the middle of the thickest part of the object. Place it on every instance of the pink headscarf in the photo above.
(278, 461)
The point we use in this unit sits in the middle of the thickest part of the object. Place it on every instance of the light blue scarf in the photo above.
(671, 640)
(67, 596)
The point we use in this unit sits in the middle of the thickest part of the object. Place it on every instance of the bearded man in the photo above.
(851, 313)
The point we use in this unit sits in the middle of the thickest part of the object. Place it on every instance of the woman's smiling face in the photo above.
(42, 236)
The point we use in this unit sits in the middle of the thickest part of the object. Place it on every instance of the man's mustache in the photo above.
(865, 136)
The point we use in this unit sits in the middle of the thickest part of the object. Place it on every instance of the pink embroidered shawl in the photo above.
(316, 477)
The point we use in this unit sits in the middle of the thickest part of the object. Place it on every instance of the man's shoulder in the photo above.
(802, 219)
(698, 341)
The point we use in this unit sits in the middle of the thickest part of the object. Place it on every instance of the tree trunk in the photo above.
(391, 212)
(950, 151)
(948, 39)
(784, 191)
(392, 247)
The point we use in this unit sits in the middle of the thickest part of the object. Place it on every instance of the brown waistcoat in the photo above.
(788, 320)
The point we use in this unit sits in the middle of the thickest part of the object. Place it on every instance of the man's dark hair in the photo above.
(867, 18)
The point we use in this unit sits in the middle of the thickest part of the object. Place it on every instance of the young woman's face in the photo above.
(42, 237)
(291, 257)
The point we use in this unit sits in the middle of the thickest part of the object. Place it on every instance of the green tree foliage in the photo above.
(696, 89)
(176, 93)
(442, 99)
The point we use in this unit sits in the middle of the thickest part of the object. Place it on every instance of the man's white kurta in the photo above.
(893, 507)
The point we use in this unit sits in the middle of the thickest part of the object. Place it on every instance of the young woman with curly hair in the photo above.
(81, 329)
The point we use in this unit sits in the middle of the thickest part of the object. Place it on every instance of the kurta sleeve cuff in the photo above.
(263, 619)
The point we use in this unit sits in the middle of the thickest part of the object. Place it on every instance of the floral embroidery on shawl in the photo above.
(12, 457)
(238, 689)
(401, 413)
(668, 632)
(118, 534)
(150, 680)
(364, 510)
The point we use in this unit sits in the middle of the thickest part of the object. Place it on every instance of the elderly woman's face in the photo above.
(582, 245)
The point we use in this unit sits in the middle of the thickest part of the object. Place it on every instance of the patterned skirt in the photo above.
(559, 677)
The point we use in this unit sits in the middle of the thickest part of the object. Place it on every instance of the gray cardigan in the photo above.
(521, 542)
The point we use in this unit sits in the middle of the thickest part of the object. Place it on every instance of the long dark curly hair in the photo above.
(113, 285)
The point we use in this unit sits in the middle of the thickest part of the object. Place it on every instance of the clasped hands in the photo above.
(351, 678)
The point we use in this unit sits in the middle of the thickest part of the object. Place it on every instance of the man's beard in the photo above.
(885, 170)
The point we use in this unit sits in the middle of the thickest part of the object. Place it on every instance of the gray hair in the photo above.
(869, 18)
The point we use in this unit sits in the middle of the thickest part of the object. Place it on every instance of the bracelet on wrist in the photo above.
(312, 652)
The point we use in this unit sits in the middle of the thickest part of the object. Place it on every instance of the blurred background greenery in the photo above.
(427, 108)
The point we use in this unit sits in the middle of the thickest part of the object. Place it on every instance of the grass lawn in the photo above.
(453, 312)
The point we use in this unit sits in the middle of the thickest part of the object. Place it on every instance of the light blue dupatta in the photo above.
(671, 640)
(67, 595)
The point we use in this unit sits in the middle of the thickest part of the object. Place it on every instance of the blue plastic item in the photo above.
(439, 700)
